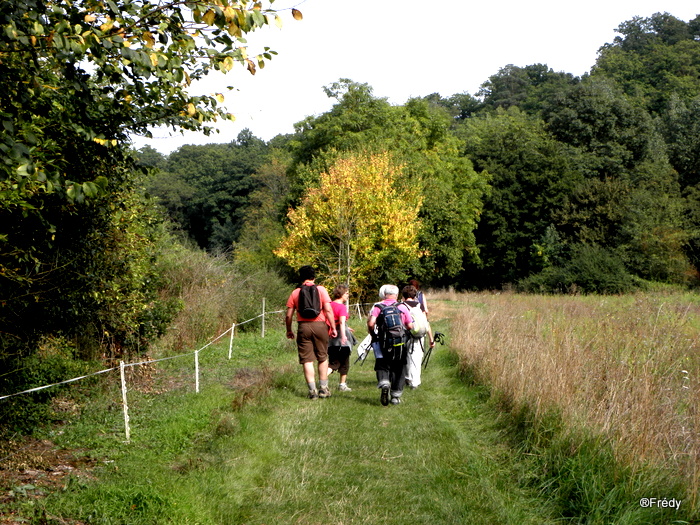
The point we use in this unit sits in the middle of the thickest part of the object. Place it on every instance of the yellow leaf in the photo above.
(278, 21)
(229, 13)
(209, 17)
(297, 14)
(154, 59)
(220, 98)
(148, 38)
(89, 18)
(191, 110)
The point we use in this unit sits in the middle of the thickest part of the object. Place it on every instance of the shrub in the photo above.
(590, 269)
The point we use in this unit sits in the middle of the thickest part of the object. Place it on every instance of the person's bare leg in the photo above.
(323, 370)
(309, 374)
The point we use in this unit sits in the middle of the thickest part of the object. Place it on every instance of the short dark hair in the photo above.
(409, 292)
(339, 291)
(307, 273)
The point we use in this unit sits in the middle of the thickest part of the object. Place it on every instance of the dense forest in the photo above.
(541, 181)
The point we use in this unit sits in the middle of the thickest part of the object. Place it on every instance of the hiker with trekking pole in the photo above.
(387, 323)
(415, 342)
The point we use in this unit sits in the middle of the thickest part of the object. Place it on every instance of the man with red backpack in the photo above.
(387, 323)
(314, 323)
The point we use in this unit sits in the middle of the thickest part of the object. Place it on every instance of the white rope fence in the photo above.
(122, 365)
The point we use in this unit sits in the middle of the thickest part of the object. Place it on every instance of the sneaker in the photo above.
(313, 394)
(344, 388)
(385, 396)
(324, 392)
(395, 400)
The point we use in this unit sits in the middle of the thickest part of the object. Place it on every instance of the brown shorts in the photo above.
(312, 341)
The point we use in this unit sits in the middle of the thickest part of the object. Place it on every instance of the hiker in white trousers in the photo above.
(416, 337)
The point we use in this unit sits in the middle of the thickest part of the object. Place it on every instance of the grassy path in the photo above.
(436, 458)
(281, 458)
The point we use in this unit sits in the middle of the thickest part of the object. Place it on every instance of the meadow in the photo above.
(617, 374)
(540, 409)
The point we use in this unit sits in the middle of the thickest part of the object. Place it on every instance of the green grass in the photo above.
(263, 453)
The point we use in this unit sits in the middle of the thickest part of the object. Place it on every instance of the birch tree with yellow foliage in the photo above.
(359, 226)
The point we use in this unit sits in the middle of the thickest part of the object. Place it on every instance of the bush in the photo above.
(214, 292)
(591, 269)
(54, 360)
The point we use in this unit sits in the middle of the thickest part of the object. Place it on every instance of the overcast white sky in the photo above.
(406, 48)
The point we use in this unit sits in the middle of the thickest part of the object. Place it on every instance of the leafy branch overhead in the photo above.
(78, 77)
(100, 69)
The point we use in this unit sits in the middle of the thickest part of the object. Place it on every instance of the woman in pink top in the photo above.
(340, 347)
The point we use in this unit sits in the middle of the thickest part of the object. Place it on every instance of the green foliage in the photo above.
(680, 126)
(418, 135)
(212, 292)
(55, 359)
(205, 189)
(654, 59)
(262, 228)
(530, 88)
(531, 175)
(588, 269)
(77, 242)
(612, 134)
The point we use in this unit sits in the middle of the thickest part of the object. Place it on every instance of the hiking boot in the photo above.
(313, 394)
(395, 400)
(385, 396)
(344, 388)
(324, 392)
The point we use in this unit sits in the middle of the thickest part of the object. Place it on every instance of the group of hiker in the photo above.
(399, 332)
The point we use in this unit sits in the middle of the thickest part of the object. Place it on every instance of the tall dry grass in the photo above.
(214, 292)
(624, 368)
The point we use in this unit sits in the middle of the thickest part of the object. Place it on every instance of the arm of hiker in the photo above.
(343, 333)
(331, 318)
(430, 335)
(406, 317)
(371, 322)
(288, 322)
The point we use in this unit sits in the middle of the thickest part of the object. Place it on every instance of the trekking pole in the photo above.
(438, 338)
